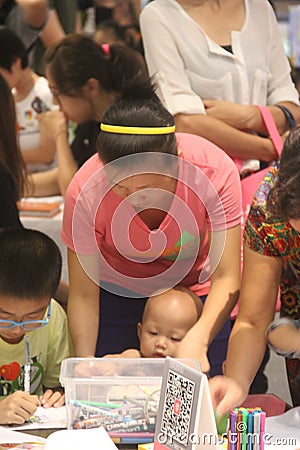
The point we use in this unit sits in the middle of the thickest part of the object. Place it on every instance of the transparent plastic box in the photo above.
(120, 394)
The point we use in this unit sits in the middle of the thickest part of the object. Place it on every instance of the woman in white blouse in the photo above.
(213, 60)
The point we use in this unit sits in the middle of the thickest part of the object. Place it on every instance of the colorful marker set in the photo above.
(246, 429)
(125, 416)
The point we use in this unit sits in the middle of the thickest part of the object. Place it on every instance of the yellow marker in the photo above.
(146, 446)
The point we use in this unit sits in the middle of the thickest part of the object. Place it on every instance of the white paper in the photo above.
(284, 430)
(49, 418)
(7, 436)
(94, 439)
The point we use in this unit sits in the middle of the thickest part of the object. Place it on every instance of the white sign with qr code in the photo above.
(185, 419)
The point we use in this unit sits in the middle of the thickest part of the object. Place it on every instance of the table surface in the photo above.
(52, 227)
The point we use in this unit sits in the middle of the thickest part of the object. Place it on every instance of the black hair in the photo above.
(10, 154)
(284, 198)
(12, 48)
(30, 264)
(112, 28)
(140, 108)
(77, 58)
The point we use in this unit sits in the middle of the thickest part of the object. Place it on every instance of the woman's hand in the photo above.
(52, 398)
(53, 123)
(18, 407)
(235, 115)
(226, 394)
(191, 347)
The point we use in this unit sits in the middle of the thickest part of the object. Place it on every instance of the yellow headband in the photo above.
(136, 130)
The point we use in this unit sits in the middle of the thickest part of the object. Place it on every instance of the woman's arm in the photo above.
(53, 30)
(223, 295)
(83, 308)
(237, 143)
(35, 12)
(259, 290)
(43, 184)
(55, 123)
(248, 117)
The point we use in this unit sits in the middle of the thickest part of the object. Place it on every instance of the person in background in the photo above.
(30, 272)
(271, 261)
(211, 77)
(141, 216)
(63, 19)
(84, 79)
(12, 167)
(283, 337)
(26, 17)
(109, 32)
(166, 319)
(32, 95)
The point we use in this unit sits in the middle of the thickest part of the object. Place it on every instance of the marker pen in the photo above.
(239, 428)
(250, 430)
(256, 429)
(262, 430)
(244, 429)
(93, 422)
(232, 436)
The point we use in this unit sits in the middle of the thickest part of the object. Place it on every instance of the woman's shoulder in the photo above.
(203, 153)
(87, 176)
(161, 7)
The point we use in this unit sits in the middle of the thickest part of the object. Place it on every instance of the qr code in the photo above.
(177, 408)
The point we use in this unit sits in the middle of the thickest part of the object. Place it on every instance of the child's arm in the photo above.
(129, 353)
(52, 397)
(17, 407)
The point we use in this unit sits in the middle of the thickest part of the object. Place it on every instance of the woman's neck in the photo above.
(104, 100)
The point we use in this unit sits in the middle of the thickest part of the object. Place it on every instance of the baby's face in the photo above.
(158, 341)
(163, 329)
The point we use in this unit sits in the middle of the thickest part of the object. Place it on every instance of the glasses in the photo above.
(55, 92)
(27, 324)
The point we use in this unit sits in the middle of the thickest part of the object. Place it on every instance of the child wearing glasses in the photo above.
(30, 272)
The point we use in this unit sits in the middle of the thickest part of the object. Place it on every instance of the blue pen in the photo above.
(250, 430)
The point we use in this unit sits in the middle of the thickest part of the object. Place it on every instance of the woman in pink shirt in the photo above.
(152, 210)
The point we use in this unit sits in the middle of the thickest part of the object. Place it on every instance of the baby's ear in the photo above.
(139, 329)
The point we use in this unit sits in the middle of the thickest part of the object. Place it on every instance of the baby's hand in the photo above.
(18, 407)
(50, 398)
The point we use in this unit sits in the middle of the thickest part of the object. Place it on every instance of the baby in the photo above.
(167, 318)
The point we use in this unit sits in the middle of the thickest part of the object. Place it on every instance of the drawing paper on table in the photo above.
(48, 418)
(14, 436)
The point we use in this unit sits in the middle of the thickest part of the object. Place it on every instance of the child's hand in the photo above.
(50, 398)
(18, 407)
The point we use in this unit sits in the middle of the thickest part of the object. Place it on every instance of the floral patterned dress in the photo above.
(271, 236)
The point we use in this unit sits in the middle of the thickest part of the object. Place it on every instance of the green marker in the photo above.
(102, 404)
(222, 423)
(244, 430)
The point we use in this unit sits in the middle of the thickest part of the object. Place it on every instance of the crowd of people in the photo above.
(147, 135)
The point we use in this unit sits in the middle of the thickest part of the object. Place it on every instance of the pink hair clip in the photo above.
(106, 49)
